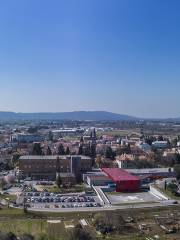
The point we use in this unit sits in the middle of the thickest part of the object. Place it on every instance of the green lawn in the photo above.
(74, 189)
(11, 212)
(9, 196)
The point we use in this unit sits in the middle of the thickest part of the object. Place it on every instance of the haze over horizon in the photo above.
(117, 56)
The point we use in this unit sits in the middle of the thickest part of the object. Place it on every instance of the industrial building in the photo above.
(26, 138)
(153, 173)
(102, 180)
(125, 182)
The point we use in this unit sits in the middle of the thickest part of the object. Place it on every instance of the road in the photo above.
(102, 196)
(105, 208)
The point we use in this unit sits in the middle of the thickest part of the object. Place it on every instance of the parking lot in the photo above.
(51, 200)
(141, 197)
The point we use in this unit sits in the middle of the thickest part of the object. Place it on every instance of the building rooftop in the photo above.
(117, 174)
(102, 177)
(149, 170)
(51, 157)
(35, 157)
(66, 174)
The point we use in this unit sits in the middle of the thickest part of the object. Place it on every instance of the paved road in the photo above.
(105, 208)
(102, 196)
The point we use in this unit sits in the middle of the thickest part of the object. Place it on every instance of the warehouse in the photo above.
(125, 182)
(154, 173)
(99, 180)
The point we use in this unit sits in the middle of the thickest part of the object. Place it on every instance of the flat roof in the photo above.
(66, 174)
(150, 170)
(37, 157)
(102, 177)
(118, 174)
(51, 157)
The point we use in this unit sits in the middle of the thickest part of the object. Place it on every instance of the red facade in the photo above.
(125, 182)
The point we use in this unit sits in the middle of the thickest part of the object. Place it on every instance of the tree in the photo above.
(160, 138)
(61, 150)
(177, 170)
(177, 158)
(9, 236)
(32, 130)
(42, 236)
(50, 136)
(37, 149)
(80, 151)
(48, 152)
(2, 183)
(58, 181)
(174, 142)
(109, 153)
(143, 163)
(98, 160)
(26, 237)
(106, 223)
(93, 151)
(67, 151)
(172, 187)
(15, 158)
(87, 151)
(78, 233)
(149, 140)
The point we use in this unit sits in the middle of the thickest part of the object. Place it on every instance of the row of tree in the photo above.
(38, 150)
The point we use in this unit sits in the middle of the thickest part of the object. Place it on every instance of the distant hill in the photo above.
(77, 115)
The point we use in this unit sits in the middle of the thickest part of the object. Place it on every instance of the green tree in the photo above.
(177, 158)
(32, 130)
(42, 236)
(8, 236)
(61, 150)
(87, 151)
(177, 170)
(15, 158)
(37, 149)
(67, 151)
(80, 151)
(2, 183)
(58, 181)
(172, 187)
(50, 136)
(48, 152)
(26, 237)
(93, 151)
(78, 233)
(109, 153)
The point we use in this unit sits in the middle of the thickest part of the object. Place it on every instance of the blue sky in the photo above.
(116, 55)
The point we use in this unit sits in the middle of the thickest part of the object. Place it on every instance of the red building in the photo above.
(125, 182)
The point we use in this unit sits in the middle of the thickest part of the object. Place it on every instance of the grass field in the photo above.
(74, 189)
(10, 197)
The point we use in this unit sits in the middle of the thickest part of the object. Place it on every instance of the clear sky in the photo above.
(116, 55)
